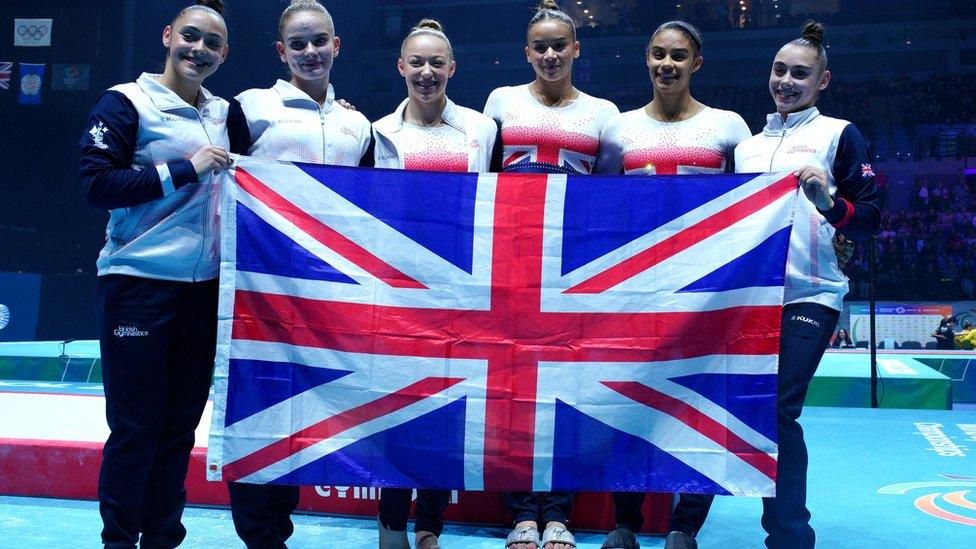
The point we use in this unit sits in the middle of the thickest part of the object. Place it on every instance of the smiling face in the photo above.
(671, 60)
(551, 50)
(196, 43)
(308, 45)
(796, 79)
(426, 64)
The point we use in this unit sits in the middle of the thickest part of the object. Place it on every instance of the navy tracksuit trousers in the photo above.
(806, 330)
(158, 341)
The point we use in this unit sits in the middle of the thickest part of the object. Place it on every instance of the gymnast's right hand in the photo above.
(209, 159)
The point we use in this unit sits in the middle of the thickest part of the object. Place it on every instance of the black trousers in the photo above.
(806, 330)
(158, 341)
(541, 507)
(627, 510)
(395, 509)
(262, 513)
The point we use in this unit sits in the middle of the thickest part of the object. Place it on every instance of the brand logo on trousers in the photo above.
(802, 318)
(129, 331)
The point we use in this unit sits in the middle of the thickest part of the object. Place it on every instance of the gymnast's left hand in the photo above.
(814, 184)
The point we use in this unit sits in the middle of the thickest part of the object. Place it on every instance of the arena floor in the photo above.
(876, 481)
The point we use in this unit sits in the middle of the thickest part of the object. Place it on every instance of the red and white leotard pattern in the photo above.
(537, 138)
(440, 148)
(463, 143)
(635, 143)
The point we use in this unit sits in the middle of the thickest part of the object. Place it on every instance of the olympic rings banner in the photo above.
(33, 32)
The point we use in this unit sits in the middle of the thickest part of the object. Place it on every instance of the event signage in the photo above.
(898, 322)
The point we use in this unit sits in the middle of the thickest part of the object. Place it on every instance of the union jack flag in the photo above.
(499, 331)
(5, 68)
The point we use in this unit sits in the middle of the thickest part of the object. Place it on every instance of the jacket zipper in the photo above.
(322, 124)
(778, 145)
(206, 209)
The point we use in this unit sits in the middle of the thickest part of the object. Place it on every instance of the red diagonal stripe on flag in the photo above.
(683, 240)
(336, 424)
(694, 418)
(325, 234)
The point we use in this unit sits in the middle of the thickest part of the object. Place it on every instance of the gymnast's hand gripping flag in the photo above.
(499, 331)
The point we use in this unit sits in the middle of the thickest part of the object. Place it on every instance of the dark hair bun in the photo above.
(216, 5)
(549, 5)
(813, 31)
(429, 24)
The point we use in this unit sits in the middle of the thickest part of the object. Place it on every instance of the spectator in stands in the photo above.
(921, 255)
(922, 194)
(842, 340)
(938, 193)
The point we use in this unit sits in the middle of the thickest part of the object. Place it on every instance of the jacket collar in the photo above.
(294, 97)
(166, 99)
(452, 116)
(776, 125)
